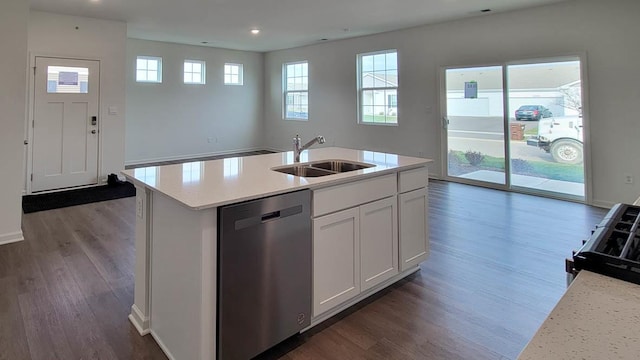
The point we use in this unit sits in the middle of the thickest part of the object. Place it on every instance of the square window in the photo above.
(233, 74)
(378, 88)
(149, 69)
(194, 72)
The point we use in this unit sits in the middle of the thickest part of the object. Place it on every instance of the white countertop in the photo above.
(205, 184)
(597, 318)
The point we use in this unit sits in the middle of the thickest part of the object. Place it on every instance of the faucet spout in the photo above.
(297, 149)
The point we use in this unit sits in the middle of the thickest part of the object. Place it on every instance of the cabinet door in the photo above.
(378, 242)
(336, 259)
(414, 228)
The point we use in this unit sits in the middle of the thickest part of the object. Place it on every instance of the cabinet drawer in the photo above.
(413, 179)
(352, 194)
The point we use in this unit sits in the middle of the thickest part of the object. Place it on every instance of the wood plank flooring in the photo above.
(495, 271)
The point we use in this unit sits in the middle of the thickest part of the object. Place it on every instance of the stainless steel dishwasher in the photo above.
(264, 273)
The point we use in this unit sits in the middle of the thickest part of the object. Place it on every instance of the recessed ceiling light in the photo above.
(255, 31)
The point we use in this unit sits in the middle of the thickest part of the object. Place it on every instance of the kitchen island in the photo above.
(369, 231)
(597, 318)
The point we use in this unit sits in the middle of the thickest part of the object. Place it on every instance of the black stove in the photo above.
(614, 246)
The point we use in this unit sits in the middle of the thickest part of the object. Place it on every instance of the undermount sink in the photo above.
(322, 168)
(340, 165)
(303, 170)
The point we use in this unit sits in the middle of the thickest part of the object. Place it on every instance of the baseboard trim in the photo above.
(138, 320)
(189, 156)
(602, 204)
(162, 346)
(11, 237)
(275, 149)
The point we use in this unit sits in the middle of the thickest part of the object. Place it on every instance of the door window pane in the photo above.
(545, 122)
(475, 133)
(67, 80)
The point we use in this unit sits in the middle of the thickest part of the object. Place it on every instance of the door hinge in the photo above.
(31, 177)
(34, 70)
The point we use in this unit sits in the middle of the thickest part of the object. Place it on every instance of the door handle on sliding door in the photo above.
(445, 122)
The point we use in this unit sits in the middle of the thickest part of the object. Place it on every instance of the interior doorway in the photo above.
(65, 123)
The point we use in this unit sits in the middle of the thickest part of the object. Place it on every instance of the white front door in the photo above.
(65, 125)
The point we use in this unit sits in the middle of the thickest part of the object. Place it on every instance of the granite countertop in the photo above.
(597, 318)
(206, 184)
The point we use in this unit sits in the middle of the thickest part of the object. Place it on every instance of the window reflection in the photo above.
(232, 166)
(192, 172)
(287, 157)
(380, 158)
(148, 175)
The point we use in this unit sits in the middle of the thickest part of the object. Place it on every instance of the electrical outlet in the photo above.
(628, 179)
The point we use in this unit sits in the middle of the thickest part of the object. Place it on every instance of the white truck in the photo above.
(562, 137)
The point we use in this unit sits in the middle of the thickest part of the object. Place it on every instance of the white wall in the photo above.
(14, 16)
(606, 30)
(104, 40)
(173, 120)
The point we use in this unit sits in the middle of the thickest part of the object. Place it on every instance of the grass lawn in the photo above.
(541, 169)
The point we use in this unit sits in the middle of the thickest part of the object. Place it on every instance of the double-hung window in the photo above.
(296, 91)
(149, 69)
(194, 72)
(378, 88)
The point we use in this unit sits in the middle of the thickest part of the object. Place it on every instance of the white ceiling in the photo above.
(284, 23)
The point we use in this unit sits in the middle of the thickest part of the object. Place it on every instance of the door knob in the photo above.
(93, 131)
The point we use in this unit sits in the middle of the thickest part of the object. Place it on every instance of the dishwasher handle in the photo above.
(270, 216)
(240, 224)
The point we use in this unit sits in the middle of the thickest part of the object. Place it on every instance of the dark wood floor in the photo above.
(496, 270)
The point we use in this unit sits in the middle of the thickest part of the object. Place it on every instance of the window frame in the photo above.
(361, 89)
(240, 74)
(203, 73)
(287, 92)
(158, 80)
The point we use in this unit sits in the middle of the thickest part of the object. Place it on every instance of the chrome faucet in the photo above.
(297, 149)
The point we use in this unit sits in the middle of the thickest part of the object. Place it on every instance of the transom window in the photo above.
(149, 69)
(378, 88)
(194, 72)
(296, 91)
(233, 74)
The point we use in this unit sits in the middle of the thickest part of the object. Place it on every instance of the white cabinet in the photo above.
(353, 250)
(414, 228)
(365, 233)
(336, 259)
(378, 242)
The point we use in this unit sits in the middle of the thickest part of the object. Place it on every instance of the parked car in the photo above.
(561, 137)
(532, 112)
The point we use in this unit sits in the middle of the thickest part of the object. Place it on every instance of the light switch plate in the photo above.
(139, 207)
(113, 110)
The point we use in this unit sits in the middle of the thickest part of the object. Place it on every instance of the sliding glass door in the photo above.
(517, 126)
(475, 125)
